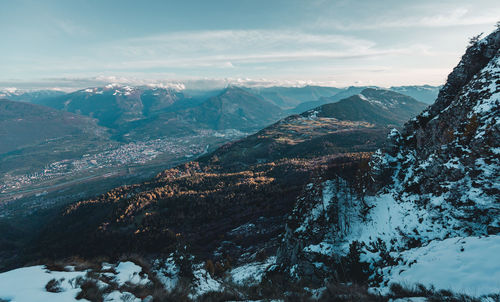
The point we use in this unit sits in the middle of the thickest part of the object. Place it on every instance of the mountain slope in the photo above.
(232, 109)
(341, 94)
(425, 94)
(25, 125)
(355, 124)
(34, 137)
(114, 105)
(289, 97)
(430, 195)
(374, 106)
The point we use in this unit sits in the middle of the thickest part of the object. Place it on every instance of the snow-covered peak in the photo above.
(112, 85)
(10, 90)
(127, 90)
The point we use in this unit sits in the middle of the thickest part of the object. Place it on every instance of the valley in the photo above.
(178, 127)
(311, 193)
(131, 155)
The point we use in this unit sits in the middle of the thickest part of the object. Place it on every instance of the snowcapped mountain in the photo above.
(29, 96)
(114, 105)
(427, 202)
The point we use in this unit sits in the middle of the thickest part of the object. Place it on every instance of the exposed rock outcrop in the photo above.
(438, 178)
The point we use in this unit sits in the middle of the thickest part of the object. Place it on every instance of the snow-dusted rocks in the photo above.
(430, 212)
(250, 273)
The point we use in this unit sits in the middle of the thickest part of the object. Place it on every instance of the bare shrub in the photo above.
(54, 286)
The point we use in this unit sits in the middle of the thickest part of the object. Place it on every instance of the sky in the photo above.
(76, 44)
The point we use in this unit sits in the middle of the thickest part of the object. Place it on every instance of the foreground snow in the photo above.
(28, 284)
(466, 265)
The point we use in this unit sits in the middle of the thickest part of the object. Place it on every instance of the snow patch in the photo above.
(251, 273)
(27, 284)
(203, 282)
(129, 272)
(465, 264)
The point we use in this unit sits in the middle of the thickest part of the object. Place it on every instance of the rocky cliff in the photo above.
(430, 197)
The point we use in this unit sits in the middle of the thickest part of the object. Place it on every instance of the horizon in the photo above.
(75, 45)
(179, 86)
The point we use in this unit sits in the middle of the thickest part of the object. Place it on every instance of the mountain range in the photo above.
(132, 119)
(28, 96)
(321, 132)
(354, 199)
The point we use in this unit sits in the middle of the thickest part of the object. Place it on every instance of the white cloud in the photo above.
(220, 49)
(451, 17)
(220, 42)
(217, 50)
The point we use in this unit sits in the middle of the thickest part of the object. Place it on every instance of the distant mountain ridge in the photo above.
(232, 108)
(114, 105)
(289, 97)
(373, 105)
(29, 96)
(354, 124)
(425, 93)
(292, 99)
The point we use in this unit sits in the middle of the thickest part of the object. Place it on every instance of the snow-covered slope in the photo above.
(461, 264)
(430, 199)
(42, 283)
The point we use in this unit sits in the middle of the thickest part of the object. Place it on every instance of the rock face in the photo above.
(436, 180)
(451, 149)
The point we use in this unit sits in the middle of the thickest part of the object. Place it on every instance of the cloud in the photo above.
(451, 17)
(209, 43)
(69, 84)
(216, 50)
(72, 83)
(455, 17)
(221, 49)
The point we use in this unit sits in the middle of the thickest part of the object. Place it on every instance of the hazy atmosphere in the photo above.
(76, 44)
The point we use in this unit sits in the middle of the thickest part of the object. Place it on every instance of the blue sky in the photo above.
(75, 44)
